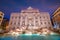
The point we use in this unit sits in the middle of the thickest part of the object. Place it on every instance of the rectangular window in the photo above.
(18, 23)
(0, 16)
(36, 17)
(48, 22)
(0, 20)
(41, 22)
(36, 21)
(11, 23)
(44, 22)
(19, 17)
(44, 17)
(23, 12)
(40, 16)
(15, 17)
(14, 23)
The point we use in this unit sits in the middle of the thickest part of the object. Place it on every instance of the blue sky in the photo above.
(9, 6)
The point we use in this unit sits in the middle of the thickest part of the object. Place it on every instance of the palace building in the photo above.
(30, 18)
(1, 17)
(56, 18)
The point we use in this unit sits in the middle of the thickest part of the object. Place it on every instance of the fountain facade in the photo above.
(29, 19)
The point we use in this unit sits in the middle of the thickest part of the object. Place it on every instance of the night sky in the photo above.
(9, 6)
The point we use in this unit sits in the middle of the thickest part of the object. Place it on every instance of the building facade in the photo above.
(30, 18)
(56, 18)
(1, 17)
(4, 24)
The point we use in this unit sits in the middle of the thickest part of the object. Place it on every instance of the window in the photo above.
(14, 23)
(15, 17)
(48, 22)
(28, 25)
(36, 21)
(41, 23)
(0, 20)
(0, 16)
(47, 17)
(13, 28)
(19, 17)
(23, 12)
(36, 12)
(44, 17)
(40, 16)
(32, 25)
(36, 17)
(44, 22)
(11, 23)
(17, 27)
(18, 23)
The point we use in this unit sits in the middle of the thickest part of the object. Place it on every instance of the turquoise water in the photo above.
(31, 37)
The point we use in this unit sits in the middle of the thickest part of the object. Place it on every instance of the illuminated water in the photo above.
(31, 37)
